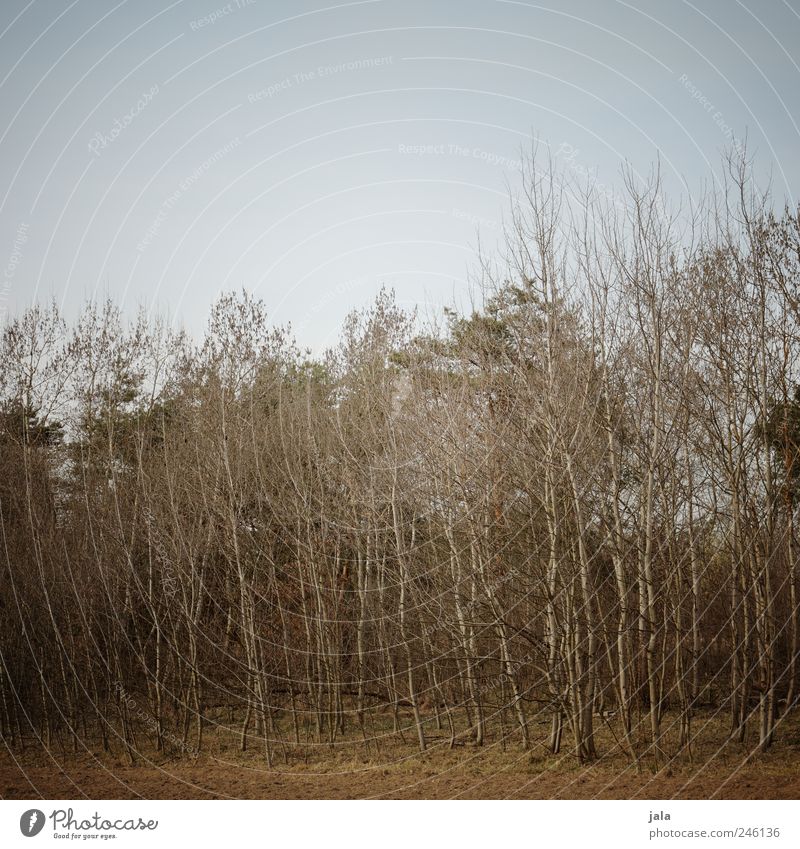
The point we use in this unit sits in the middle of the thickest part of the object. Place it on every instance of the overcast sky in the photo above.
(311, 152)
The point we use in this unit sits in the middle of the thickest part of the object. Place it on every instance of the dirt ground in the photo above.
(470, 774)
(385, 765)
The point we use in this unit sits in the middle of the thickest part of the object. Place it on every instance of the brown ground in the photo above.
(184, 781)
(348, 771)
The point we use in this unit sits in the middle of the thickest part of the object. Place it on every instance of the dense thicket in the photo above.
(577, 502)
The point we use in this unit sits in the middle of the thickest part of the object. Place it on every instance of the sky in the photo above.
(313, 152)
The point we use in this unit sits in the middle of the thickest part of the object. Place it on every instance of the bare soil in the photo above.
(351, 770)
(85, 779)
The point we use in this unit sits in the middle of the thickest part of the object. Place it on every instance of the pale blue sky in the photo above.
(312, 152)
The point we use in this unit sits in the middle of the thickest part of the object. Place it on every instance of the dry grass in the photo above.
(383, 766)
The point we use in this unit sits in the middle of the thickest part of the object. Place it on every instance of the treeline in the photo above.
(576, 502)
